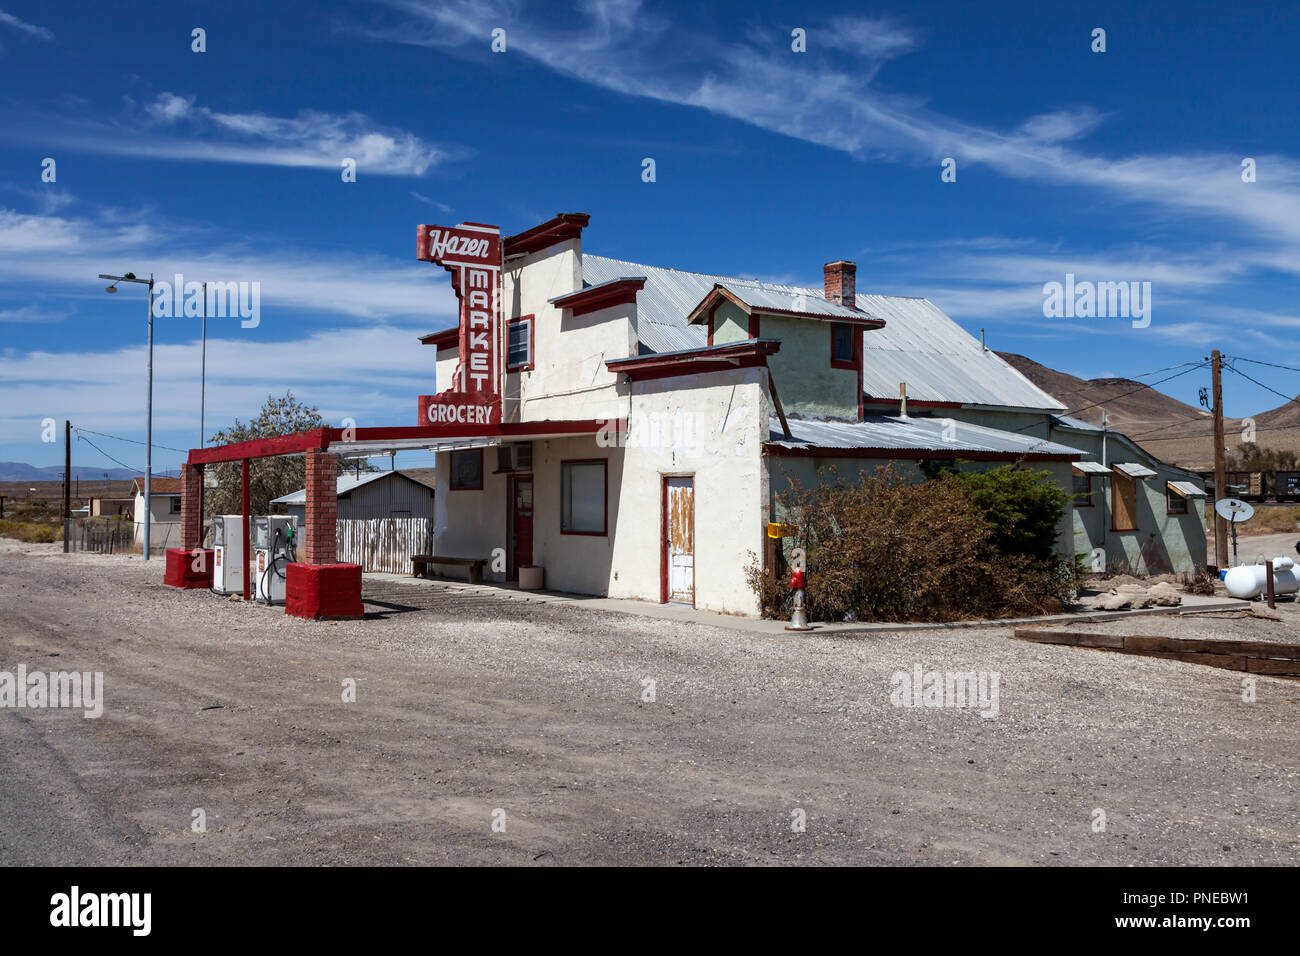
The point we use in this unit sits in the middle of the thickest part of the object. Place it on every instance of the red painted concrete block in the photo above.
(189, 568)
(323, 590)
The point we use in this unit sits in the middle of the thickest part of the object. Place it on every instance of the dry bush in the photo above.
(1197, 583)
(31, 532)
(1270, 520)
(886, 548)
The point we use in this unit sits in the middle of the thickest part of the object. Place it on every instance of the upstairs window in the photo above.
(519, 350)
(842, 346)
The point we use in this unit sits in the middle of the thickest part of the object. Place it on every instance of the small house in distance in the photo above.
(375, 494)
(164, 511)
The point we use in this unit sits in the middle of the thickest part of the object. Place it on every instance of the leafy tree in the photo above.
(1253, 457)
(268, 478)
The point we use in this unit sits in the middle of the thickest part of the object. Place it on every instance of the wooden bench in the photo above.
(422, 565)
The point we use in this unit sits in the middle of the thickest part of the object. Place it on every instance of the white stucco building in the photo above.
(667, 409)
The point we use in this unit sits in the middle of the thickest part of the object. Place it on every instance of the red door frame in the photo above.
(512, 562)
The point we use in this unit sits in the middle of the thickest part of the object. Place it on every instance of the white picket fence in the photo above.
(384, 544)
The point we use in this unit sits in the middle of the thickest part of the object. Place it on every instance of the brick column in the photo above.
(320, 545)
(191, 506)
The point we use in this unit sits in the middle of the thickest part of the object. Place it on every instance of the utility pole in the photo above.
(1220, 477)
(67, 481)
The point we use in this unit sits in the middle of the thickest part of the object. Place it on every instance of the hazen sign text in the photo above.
(471, 252)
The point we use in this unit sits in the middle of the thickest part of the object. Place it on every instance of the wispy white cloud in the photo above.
(371, 375)
(442, 206)
(25, 28)
(40, 252)
(178, 128)
(620, 45)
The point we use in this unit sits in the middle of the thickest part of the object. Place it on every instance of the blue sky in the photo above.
(225, 165)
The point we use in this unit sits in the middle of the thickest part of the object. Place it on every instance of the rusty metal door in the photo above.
(679, 543)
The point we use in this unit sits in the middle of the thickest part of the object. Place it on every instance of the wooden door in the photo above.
(679, 539)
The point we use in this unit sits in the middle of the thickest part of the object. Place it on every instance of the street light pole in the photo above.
(148, 447)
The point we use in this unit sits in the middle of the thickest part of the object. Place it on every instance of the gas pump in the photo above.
(274, 544)
(229, 561)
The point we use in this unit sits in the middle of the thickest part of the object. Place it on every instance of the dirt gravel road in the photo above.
(474, 709)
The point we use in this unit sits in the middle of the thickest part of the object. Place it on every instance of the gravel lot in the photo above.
(475, 704)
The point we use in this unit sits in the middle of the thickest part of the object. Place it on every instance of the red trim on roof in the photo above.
(746, 353)
(445, 339)
(597, 297)
(911, 403)
(707, 304)
(912, 454)
(567, 225)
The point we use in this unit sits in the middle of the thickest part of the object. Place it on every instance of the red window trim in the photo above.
(1091, 501)
(451, 472)
(1170, 496)
(848, 365)
(532, 342)
(604, 520)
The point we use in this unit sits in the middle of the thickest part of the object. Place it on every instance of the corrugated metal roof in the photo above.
(1091, 468)
(344, 484)
(1186, 489)
(788, 298)
(938, 359)
(911, 434)
(919, 345)
(1133, 469)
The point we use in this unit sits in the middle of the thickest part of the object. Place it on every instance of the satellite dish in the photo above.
(1233, 510)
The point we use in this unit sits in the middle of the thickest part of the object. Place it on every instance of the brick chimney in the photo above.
(842, 282)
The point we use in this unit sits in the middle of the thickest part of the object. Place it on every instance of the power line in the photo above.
(1289, 398)
(1239, 358)
(1111, 398)
(133, 441)
(106, 454)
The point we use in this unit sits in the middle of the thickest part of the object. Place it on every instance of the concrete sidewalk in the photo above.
(1192, 604)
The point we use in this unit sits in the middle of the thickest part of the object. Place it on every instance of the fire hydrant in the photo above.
(799, 617)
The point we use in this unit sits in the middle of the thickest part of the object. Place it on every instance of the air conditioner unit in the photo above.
(516, 457)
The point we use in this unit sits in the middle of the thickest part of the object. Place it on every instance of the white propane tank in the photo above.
(1247, 580)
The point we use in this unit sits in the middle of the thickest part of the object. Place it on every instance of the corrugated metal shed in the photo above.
(376, 494)
(919, 345)
(344, 484)
(911, 434)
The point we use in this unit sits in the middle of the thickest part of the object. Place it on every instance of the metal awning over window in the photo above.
(1185, 489)
(1089, 468)
(1132, 469)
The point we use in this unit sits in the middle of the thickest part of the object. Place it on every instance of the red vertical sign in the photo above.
(471, 252)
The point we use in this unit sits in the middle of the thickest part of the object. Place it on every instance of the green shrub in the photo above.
(1022, 507)
(887, 548)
